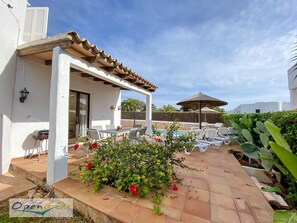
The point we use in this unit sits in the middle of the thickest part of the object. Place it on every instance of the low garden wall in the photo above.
(175, 116)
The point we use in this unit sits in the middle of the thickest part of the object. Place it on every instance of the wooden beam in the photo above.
(97, 79)
(48, 62)
(73, 70)
(91, 59)
(107, 83)
(42, 48)
(85, 75)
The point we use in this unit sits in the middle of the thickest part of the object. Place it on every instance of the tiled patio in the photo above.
(220, 191)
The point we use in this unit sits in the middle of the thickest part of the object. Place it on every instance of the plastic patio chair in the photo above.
(212, 137)
(201, 144)
(223, 135)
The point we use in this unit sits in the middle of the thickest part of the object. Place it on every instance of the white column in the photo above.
(5, 145)
(148, 120)
(58, 127)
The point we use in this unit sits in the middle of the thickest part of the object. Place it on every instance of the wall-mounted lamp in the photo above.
(120, 108)
(111, 107)
(24, 95)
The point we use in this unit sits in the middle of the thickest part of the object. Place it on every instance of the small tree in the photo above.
(168, 108)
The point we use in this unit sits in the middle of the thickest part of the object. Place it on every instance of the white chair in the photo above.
(210, 135)
(94, 134)
(223, 135)
(218, 125)
(200, 143)
(111, 126)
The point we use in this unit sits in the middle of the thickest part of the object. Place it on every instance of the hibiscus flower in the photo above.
(134, 189)
(94, 145)
(90, 165)
(76, 146)
(174, 187)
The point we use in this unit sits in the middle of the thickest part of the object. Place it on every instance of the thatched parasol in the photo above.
(201, 100)
(207, 110)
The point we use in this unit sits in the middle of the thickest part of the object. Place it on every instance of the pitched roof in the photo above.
(82, 48)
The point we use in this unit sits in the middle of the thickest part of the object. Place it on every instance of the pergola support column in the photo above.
(58, 121)
(148, 120)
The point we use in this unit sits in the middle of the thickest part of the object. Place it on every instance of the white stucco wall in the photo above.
(33, 114)
(292, 83)
(11, 23)
(263, 106)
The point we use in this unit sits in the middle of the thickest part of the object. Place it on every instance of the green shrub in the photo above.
(137, 167)
(286, 121)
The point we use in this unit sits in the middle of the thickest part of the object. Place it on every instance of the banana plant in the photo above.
(282, 150)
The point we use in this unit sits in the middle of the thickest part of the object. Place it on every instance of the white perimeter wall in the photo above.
(33, 114)
(292, 79)
(11, 23)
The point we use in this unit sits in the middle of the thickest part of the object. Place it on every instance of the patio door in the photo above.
(78, 115)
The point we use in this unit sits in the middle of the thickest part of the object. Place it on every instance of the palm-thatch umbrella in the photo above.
(207, 110)
(201, 100)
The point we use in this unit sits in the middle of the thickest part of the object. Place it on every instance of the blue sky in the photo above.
(238, 51)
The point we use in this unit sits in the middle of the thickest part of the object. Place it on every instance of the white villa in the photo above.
(261, 107)
(292, 79)
(72, 86)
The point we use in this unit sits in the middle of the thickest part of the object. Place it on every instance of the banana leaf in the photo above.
(282, 216)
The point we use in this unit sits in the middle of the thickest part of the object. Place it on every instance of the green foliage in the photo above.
(282, 216)
(168, 108)
(131, 104)
(272, 189)
(144, 165)
(287, 121)
(282, 149)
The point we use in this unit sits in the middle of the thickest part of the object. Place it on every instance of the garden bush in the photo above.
(286, 121)
(137, 167)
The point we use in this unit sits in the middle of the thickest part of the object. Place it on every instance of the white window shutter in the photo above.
(35, 23)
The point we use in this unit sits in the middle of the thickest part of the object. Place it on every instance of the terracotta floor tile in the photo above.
(198, 194)
(174, 201)
(171, 220)
(193, 219)
(222, 201)
(236, 192)
(145, 203)
(198, 183)
(246, 218)
(219, 180)
(198, 208)
(5, 194)
(241, 205)
(261, 215)
(101, 202)
(223, 215)
(145, 215)
(220, 189)
(182, 190)
(215, 171)
(257, 202)
(70, 186)
(171, 212)
(125, 211)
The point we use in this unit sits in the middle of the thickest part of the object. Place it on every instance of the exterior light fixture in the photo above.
(24, 95)
(111, 107)
(120, 108)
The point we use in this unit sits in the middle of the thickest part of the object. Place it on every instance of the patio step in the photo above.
(36, 177)
(13, 185)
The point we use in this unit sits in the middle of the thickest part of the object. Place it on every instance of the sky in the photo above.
(237, 51)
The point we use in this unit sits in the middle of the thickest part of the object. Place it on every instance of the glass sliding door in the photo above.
(78, 115)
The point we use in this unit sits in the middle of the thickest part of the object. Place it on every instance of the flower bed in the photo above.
(137, 168)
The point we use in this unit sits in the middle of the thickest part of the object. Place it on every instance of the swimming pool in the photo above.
(180, 133)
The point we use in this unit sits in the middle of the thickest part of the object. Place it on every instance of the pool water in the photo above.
(180, 133)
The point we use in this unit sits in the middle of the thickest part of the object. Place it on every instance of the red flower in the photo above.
(90, 165)
(94, 145)
(172, 177)
(136, 192)
(174, 187)
(76, 146)
(134, 189)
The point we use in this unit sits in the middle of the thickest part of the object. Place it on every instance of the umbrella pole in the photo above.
(200, 115)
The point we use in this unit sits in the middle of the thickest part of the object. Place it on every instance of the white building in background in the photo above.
(72, 86)
(292, 79)
(261, 107)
